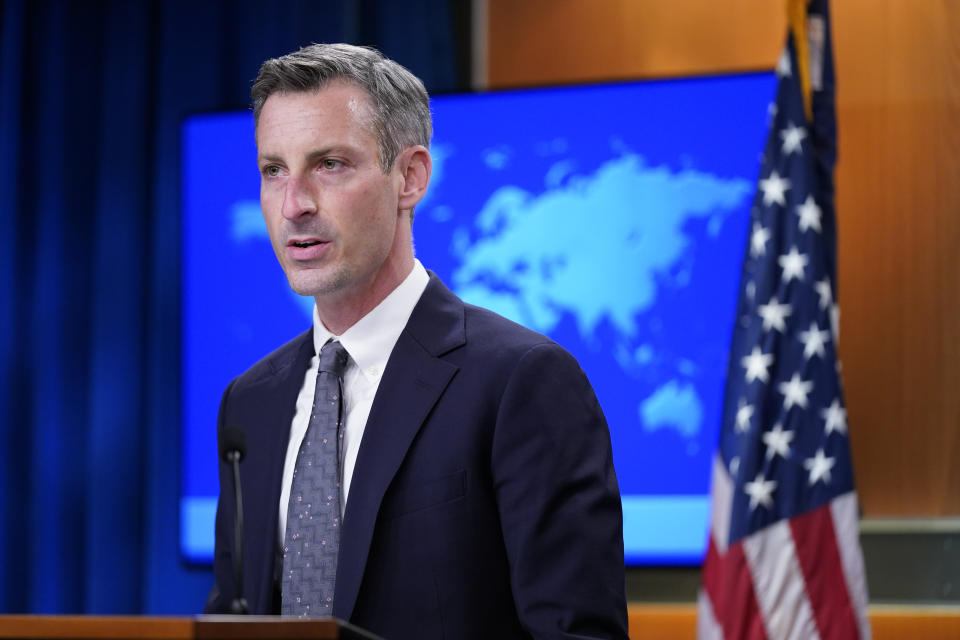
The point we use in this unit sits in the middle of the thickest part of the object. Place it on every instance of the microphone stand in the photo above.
(233, 454)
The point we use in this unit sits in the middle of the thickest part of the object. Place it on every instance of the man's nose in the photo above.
(298, 199)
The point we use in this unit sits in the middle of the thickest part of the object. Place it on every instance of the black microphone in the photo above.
(233, 446)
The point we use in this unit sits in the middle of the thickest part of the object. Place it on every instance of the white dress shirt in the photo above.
(369, 343)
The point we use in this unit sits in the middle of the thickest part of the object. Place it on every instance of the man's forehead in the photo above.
(331, 95)
(342, 101)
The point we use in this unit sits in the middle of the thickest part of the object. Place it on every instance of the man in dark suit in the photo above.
(472, 491)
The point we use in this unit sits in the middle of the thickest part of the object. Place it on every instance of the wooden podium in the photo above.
(163, 628)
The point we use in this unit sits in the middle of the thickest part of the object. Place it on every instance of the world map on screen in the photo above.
(540, 258)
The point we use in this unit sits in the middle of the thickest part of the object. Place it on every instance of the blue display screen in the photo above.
(609, 217)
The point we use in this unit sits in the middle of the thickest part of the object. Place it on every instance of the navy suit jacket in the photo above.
(483, 502)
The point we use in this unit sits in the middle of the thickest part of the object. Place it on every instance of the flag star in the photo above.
(758, 240)
(777, 441)
(744, 413)
(809, 214)
(734, 466)
(819, 467)
(795, 392)
(814, 341)
(772, 110)
(783, 64)
(751, 290)
(774, 189)
(825, 293)
(774, 315)
(792, 136)
(793, 264)
(757, 364)
(836, 418)
(760, 491)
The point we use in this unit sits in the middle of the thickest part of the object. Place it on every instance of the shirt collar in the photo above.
(371, 339)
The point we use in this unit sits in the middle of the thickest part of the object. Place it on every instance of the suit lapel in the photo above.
(414, 379)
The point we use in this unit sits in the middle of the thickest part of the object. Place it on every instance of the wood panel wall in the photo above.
(679, 622)
(898, 192)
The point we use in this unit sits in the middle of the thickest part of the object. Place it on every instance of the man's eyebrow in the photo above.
(312, 156)
(267, 157)
(319, 154)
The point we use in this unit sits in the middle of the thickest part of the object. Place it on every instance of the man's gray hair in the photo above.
(400, 104)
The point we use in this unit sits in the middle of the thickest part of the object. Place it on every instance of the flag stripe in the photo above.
(819, 558)
(846, 516)
(772, 557)
(707, 626)
(727, 581)
(722, 490)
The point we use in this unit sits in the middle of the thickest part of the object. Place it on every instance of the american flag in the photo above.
(784, 558)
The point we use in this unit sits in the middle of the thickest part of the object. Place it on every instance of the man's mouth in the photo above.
(306, 249)
(303, 244)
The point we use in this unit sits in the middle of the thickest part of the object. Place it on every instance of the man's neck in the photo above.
(339, 313)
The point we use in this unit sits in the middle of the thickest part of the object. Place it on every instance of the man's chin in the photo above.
(313, 284)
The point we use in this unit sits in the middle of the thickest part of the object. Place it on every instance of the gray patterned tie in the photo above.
(312, 538)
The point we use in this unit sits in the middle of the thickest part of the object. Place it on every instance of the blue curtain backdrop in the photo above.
(91, 99)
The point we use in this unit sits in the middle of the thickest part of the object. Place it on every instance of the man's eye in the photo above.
(272, 171)
(330, 164)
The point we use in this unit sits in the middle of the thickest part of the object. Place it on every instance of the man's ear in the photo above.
(415, 166)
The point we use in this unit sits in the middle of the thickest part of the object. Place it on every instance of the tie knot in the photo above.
(333, 359)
